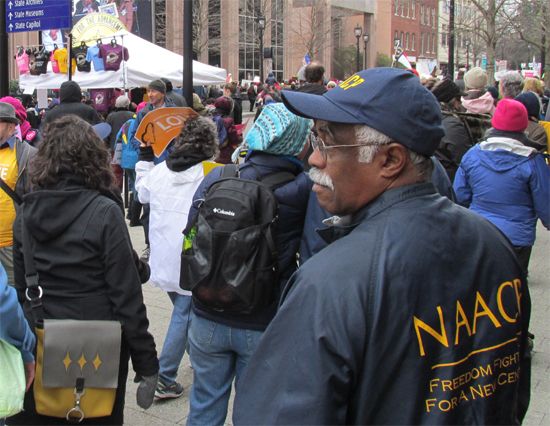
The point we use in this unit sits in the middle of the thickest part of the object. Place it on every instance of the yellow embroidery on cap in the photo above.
(353, 81)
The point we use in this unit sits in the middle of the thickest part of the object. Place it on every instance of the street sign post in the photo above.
(37, 15)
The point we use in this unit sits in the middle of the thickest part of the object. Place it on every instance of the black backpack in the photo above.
(229, 258)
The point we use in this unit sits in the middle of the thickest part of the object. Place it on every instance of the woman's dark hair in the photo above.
(70, 147)
(199, 137)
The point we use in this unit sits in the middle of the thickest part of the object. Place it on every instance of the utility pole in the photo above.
(451, 60)
(4, 54)
(187, 85)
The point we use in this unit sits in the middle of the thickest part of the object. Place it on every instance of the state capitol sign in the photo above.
(37, 15)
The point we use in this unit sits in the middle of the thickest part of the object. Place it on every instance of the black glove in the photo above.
(146, 391)
(143, 268)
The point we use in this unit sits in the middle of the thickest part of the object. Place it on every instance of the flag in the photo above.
(403, 60)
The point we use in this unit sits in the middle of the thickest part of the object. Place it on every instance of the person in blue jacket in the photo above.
(506, 181)
(14, 328)
(417, 311)
(221, 343)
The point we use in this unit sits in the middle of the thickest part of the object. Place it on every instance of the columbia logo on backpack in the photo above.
(222, 211)
(229, 259)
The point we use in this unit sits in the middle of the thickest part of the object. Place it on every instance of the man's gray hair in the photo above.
(511, 84)
(367, 135)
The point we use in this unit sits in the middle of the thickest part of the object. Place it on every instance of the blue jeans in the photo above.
(218, 354)
(175, 342)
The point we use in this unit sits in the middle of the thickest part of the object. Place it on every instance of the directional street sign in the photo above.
(37, 15)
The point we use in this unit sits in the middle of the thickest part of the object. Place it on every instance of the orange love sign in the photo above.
(160, 126)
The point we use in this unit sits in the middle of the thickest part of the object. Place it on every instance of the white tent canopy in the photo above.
(146, 62)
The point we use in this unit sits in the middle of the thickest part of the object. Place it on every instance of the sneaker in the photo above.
(175, 390)
(145, 254)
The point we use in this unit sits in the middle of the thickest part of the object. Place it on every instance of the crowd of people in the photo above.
(393, 267)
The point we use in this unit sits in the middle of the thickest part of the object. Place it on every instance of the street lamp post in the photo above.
(358, 31)
(467, 54)
(261, 27)
(366, 40)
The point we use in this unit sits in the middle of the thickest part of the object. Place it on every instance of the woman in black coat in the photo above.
(83, 254)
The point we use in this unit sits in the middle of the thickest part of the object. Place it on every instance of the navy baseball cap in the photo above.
(389, 100)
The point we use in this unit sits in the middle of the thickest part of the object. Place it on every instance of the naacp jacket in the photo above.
(416, 314)
(84, 259)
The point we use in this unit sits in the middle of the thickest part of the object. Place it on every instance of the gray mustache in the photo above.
(320, 178)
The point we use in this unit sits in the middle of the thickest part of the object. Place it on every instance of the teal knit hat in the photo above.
(278, 131)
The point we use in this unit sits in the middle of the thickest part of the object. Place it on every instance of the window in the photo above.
(444, 39)
(277, 14)
(421, 14)
(407, 41)
(396, 7)
(413, 47)
(408, 8)
(434, 43)
(402, 38)
(214, 19)
(413, 7)
(433, 18)
(403, 8)
(421, 43)
(249, 42)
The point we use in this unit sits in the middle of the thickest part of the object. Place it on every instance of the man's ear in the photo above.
(394, 160)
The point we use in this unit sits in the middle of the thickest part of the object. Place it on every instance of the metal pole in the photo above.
(188, 51)
(261, 56)
(357, 69)
(69, 54)
(4, 53)
(451, 60)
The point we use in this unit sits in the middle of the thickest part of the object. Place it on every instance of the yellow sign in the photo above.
(161, 125)
(95, 26)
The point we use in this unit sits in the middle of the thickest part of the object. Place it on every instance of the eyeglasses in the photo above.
(317, 143)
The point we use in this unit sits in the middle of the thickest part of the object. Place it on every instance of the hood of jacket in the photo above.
(48, 213)
(482, 105)
(70, 92)
(502, 154)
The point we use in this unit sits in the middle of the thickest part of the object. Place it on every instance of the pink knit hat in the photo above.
(20, 110)
(510, 116)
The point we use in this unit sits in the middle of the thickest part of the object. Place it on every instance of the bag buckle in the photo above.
(33, 297)
(75, 414)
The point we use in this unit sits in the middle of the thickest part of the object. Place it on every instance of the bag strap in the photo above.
(229, 171)
(34, 291)
(11, 193)
(277, 179)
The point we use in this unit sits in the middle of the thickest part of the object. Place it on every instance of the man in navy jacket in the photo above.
(417, 311)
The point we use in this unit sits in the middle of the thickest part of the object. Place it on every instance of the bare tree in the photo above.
(488, 25)
(311, 31)
(530, 20)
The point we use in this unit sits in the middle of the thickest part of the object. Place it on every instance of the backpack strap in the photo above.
(11, 193)
(229, 171)
(277, 179)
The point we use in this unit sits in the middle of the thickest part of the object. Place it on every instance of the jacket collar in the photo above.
(9, 143)
(339, 227)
